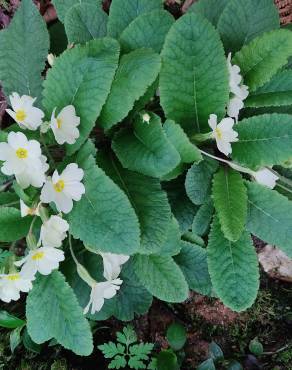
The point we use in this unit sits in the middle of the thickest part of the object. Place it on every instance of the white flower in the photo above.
(266, 177)
(223, 133)
(53, 232)
(64, 126)
(61, 189)
(100, 292)
(112, 264)
(23, 158)
(239, 92)
(146, 117)
(43, 260)
(12, 284)
(24, 113)
(27, 211)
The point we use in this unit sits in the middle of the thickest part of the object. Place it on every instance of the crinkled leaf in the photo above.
(122, 13)
(147, 198)
(172, 244)
(13, 226)
(264, 140)
(198, 180)
(63, 6)
(233, 268)
(143, 31)
(243, 20)
(82, 76)
(230, 201)
(52, 311)
(277, 92)
(210, 9)
(270, 216)
(24, 48)
(148, 149)
(192, 260)
(203, 218)
(136, 73)
(84, 22)
(263, 57)
(162, 277)
(194, 77)
(104, 218)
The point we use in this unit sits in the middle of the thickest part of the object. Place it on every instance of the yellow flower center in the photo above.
(38, 256)
(218, 133)
(59, 186)
(21, 153)
(20, 115)
(13, 277)
(59, 122)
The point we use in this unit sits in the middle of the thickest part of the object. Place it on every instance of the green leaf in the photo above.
(162, 277)
(84, 22)
(233, 268)
(136, 73)
(264, 140)
(82, 76)
(215, 352)
(210, 9)
(177, 336)
(243, 20)
(261, 59)
(230, 201)
(198, 180)
(9, 321)
(203, 218)
(138, 354)
(256, 347)
(104, 218)
(192, 260)
(148, 150)
(270, 216)
(15, 339)
(189, 153)
(122, 13)
(20, 68)
(58, 38)
(127, 336)
(142, 32)
(62, 6)
(172, 245)
(277, 92)
(51, 297)
(167, 360)
(111, 349)
(13, 226)
(147, 198)
(207, 365)
(118, 362)
(29, 344)
(194, 77)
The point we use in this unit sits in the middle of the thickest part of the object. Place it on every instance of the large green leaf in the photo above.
(203, 218)
(143, 31)
(276, 92)
(122, 13)
(162, 277)
(230, 200)
(172, 244)
(20, 68)
(233, 268)
(243, 20)
(63, 6)
(270, 216)
(84, 22)
(210, 9)
(104, 218)
(52, 311)
(264, 140)
(82, 76)
(198, 180)
(136, 73)
(147, 198)
(194, 77)
(263, 57)
(192, 259)
(189, 153)
(148, 149)
(12, 225)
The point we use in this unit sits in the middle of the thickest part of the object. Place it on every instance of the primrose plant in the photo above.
(138, 155)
